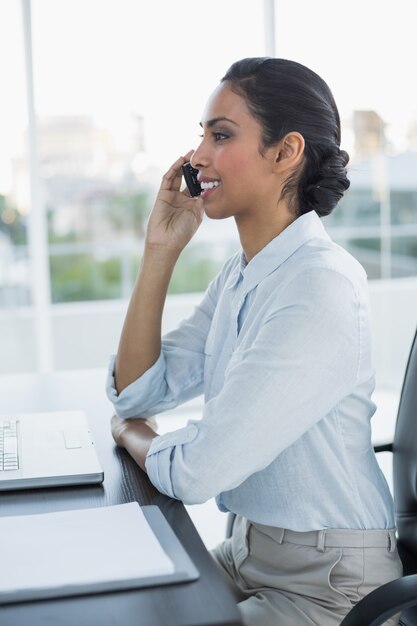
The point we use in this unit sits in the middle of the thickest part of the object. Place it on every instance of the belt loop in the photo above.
(280, 535)
(321, 537)
(392, 540)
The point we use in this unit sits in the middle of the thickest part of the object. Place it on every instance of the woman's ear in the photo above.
(289, 152)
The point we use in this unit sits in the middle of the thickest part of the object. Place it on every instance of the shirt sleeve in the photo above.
(303, 361)
(178, 373)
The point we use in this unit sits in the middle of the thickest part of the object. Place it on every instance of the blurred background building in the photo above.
(94, 113)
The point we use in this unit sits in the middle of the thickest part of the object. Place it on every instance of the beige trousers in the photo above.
(286, 578)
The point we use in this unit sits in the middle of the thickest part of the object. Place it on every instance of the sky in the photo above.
(115, 59)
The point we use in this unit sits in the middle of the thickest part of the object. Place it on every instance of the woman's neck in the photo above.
(255, 232)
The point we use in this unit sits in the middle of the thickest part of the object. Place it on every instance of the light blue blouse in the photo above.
(281, 349)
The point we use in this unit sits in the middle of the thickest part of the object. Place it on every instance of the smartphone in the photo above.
(190, 177)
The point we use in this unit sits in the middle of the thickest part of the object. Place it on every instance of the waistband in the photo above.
(333, 538)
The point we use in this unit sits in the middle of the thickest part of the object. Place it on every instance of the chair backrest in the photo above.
(405, 466)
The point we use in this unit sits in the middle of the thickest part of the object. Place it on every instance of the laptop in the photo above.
(47, 450)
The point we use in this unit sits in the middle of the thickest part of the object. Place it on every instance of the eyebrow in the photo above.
(214, 121)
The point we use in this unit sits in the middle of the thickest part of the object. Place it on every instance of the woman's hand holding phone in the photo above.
(173, 221)
(176, 215)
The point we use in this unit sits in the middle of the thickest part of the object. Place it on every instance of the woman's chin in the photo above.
(215, 211)
(215, 215)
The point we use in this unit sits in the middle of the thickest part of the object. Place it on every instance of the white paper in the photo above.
(94, 549)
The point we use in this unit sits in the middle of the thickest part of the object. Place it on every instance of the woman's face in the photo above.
(237, 179)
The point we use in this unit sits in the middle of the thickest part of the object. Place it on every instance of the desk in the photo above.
(205, 602)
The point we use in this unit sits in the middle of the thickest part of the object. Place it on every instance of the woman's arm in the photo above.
(174, 220)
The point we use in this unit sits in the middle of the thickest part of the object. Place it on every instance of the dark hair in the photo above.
(286, 96)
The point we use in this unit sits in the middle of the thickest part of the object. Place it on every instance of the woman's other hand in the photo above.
(135, 435)
(119, 427)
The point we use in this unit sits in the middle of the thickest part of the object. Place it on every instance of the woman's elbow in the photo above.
(195, 490)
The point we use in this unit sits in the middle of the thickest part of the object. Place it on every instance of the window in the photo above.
(14, 188)
(119, 87)
(119, 99)
(364, 51)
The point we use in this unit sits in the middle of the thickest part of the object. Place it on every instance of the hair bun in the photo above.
(323, 190)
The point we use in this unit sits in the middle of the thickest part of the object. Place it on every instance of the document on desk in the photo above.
(81, 551)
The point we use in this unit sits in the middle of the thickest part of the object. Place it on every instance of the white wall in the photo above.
(85, 334)
(394, 319)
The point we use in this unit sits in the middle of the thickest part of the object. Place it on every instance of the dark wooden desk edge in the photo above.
(203, 601)
(206, 602)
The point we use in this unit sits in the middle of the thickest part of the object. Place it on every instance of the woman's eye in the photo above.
(220, 136)
(216, 136)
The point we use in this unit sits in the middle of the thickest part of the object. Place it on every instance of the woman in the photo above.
(280, 346)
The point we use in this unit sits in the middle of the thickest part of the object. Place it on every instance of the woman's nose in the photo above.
(199, 157)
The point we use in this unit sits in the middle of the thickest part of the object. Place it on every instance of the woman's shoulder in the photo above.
(324, 254)
(320, 268)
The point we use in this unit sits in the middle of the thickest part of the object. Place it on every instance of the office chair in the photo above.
(399, 595)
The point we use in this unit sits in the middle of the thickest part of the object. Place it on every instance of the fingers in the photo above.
(115, 427)
(171, 181)
(152, 423)
(188, 156)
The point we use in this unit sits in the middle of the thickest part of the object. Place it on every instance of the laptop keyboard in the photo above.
(9, 448)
